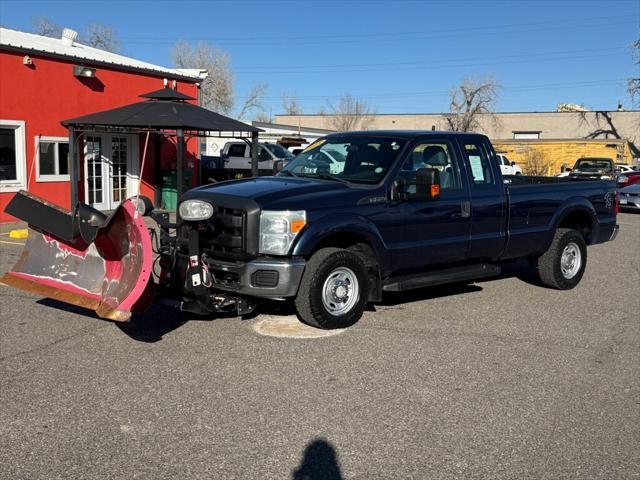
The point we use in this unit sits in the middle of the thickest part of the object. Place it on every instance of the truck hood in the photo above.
(280, 193)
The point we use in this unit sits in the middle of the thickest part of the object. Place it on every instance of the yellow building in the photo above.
(548, 157)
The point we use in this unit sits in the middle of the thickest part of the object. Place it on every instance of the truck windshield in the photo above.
(354, 158)
(278, 150)
(593, 164)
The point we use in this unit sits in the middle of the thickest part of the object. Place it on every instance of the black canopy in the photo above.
(166, 112)
(165, 109)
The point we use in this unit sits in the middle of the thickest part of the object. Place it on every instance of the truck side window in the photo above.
(480, 164)
(237, 150)
(263, 154)
(433, 155)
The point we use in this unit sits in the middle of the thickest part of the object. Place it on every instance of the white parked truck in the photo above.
(271, 157)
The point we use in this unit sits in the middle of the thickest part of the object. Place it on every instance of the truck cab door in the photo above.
(488, 201)
(237, 154)
(433, 231)
(265, 159)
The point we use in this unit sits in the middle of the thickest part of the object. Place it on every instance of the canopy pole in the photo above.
(157, 175)
(144, 157)
(180, 146)
(254, 154)
(73, 168)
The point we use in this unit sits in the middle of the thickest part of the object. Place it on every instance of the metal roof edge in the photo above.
(98, 63)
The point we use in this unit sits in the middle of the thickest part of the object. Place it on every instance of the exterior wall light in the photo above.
(84, 72)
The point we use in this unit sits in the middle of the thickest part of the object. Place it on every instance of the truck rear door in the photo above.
(488, 200)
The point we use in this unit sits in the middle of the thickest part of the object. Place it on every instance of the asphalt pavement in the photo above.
(501, 379)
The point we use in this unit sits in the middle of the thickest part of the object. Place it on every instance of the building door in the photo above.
(111, 170)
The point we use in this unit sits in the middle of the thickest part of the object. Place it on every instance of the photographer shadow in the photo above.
(320, 462)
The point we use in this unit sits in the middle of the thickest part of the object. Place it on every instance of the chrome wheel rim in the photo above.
(570, 261)
(340, 291)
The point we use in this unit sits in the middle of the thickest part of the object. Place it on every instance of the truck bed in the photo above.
(536, 204)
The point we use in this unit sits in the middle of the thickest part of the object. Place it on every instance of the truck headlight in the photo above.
(195, 210)
(278, 230)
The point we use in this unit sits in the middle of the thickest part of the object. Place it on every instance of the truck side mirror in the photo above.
(427, 183)
(513, 164)
(424, 186)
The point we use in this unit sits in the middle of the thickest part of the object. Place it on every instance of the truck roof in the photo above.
(408, 134)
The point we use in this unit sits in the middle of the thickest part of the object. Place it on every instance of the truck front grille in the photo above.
(227, 233)
(222, 236)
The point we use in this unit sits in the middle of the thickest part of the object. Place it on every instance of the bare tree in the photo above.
(351, 113)
(94, 35)
(46, 27)
(254, 100)
(264, 117)
(604, 127)
(291, 105)
(634, 83)
(470, 99)
(216, 91)
(100, 36)
(536, 163)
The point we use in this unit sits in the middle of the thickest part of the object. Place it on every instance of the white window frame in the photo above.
(21, 157)
(50, 177)
(526, 134)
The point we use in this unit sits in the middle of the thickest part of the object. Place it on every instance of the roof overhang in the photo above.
(178, 75)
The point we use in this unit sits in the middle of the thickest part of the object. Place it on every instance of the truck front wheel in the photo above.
(334, 289)
(563, 265)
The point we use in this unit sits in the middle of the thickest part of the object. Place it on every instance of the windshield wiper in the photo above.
(326, 176)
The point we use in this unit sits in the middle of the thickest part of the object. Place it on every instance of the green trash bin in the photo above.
(169, 190)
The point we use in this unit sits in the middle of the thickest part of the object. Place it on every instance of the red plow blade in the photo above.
(85, 258)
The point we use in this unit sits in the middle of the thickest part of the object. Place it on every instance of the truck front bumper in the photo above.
(266, 278)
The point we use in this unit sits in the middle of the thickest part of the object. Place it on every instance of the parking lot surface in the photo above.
(497, 379)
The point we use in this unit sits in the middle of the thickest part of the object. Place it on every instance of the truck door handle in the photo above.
(465, 209)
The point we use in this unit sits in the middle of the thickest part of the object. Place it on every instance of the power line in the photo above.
(352, 67)
(513, 88)
(260, 68)
(381, 34)
(432, 67)
(385, 37)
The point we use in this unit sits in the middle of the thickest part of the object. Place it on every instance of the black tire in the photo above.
(309, 301)
(550, 266)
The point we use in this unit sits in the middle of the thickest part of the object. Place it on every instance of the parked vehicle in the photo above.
(629, 178)
(630, 197)
(271, 157)
(589, 167)
(624, 168)
(508, 167)
(408, 210)
(326, 161)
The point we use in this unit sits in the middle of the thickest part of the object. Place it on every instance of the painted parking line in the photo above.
(12, 243)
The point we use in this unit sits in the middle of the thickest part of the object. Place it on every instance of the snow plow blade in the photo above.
(84, 257)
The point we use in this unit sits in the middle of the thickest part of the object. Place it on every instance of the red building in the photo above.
(46, 80)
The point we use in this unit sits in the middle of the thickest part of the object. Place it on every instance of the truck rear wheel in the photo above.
(563, 264)
(334, 289)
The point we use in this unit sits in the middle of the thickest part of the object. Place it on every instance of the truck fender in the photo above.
(572, 206)
(319, 230)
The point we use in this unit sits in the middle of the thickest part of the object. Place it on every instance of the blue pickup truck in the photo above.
(361, 213)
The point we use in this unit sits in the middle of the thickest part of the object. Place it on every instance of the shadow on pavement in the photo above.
(427, 293)
(320, 462)
(520, 269)
(160, 320)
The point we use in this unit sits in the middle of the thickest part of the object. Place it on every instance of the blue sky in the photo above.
(401, 56)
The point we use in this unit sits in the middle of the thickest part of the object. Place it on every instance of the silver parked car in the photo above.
(630, 197)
